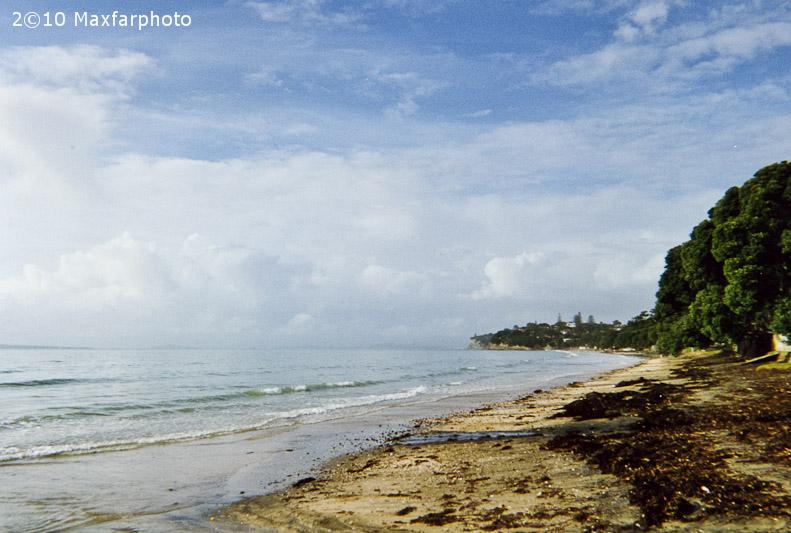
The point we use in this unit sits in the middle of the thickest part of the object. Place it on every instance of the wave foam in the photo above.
(36, 452)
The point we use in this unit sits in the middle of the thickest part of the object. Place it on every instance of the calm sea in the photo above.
(58, 407)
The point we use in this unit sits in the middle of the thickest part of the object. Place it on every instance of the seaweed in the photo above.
(614, 404)
(440, 518)
(671, 458)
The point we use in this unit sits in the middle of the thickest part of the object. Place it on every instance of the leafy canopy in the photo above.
(730, 282)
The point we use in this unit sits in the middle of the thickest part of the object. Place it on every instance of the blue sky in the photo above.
(353, 173)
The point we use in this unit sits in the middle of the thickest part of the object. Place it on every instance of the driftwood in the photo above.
(779, 357)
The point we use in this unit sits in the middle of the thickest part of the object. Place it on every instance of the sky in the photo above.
(382, 172)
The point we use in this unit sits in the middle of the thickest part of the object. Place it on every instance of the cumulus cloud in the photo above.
(124, 283)
(299, 324)
(644, 20)
(387, 280)
(122, 275)
(509, 276)
(569, 277)
(619, 271)
(125, 271)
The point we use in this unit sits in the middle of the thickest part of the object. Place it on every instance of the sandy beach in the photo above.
(693, 443)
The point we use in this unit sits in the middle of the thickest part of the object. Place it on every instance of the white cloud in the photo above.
(559, 7)
(301, 129)
(275, 12)
(673, 54)
(627, 32)
(420, 7)
(112, 291)
(407, 233)
(395, 81)
(571, 276)
(331, 235)
(616, 61)
(55, 117)
(299, 324)
(84, 68)
(266, 76)
(303, 11)
(510, 276)
(127, 272)
(720, 51)
(120, 272)
(387, 280)
(411, 87)
(49, 133)
(644, 20)
(649, 15)
(620, 271)
(479, 114)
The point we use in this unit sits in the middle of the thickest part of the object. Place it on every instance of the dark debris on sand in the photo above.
(673, 456)
(622, 403)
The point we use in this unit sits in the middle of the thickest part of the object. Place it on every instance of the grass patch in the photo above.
(775, 366)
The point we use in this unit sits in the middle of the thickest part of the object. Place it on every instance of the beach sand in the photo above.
(693, 443)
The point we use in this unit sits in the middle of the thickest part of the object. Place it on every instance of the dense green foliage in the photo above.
(638, 333)
(730, 283)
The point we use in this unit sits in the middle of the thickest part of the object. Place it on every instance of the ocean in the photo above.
(152, 439)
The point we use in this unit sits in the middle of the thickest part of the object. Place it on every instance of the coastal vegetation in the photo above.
(729, 284)
(639, 334)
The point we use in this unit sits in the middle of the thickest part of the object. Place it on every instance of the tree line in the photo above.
(639, 333)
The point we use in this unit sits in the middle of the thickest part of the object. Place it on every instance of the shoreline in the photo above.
(179, 486)
(538, 463)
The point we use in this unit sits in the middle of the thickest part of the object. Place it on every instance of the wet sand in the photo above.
(695, 443)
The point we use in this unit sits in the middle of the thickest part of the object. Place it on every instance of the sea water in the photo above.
(84, 414)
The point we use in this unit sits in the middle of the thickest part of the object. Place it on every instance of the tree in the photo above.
(676, 328)
(731, 282)
(639, 333)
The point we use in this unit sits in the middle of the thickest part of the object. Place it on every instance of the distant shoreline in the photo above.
(506, 347)
(31, 347)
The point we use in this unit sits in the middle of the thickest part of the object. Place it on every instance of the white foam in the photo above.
(354, 402)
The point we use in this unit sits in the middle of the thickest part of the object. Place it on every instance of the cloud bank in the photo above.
(336, 194)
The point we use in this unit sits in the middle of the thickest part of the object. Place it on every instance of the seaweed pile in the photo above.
(623, 403)
(677, 456)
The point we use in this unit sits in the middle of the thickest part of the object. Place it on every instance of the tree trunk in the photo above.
(757, 345)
